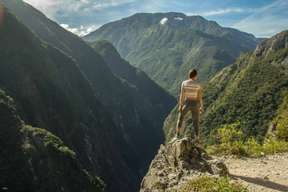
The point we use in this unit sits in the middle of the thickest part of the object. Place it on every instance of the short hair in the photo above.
(192, 73)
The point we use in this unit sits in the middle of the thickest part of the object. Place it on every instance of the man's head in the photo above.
(193, 74)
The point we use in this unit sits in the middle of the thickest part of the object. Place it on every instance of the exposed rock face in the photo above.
(177, 163)
(277, 42)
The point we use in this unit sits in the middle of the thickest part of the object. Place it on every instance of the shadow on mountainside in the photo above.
(262, 182)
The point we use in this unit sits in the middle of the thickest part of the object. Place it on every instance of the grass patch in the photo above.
(211, 184)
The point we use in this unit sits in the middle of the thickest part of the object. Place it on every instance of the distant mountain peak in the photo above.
(160, 14)
(169, 16)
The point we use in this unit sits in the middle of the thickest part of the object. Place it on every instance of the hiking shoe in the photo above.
(174, 138)
(196, 140)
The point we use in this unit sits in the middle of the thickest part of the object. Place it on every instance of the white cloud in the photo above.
(266, 21)
(80, 31)
(64, 11)
(109, 3)
(164, 21)
(220, 12)
(49, 7)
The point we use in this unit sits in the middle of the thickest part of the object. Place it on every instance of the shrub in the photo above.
(212, 184)
(230, 133)
(253, 148)
(281, 120)
(229, 140)
(48, 140)
(282, 129)
(272, 146)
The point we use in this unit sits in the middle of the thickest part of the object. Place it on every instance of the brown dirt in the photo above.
(265, 174)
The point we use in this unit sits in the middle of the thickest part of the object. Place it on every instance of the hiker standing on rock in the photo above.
(190, 100)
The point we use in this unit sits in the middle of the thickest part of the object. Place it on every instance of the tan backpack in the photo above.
(192, 92)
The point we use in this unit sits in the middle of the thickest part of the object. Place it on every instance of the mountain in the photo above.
(51, 92)
(27, 153)
(138, 119)
(253, 91)
(61, 84)
(167, 45)
(135, 77)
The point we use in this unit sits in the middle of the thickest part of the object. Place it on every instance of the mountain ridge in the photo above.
(167, 45)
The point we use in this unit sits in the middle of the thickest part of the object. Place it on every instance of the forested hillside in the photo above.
(28, 152)
(252, 91)
(50, 92)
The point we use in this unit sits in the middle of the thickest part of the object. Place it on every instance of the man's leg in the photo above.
(181, 116)
(178, 127)
(179, 123)
(195, 118)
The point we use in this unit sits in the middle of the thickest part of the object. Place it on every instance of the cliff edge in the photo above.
(177, 163)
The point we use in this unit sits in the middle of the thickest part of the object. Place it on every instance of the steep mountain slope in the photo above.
(138, 79)
(167, 45)
(27, 153)
(52, 93)
(253, 91)
(138, 120)
(50, 32)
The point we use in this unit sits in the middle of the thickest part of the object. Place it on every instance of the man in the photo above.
(190, 100)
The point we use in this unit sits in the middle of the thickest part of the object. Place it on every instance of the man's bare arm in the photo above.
(201, 100)
(181, 98)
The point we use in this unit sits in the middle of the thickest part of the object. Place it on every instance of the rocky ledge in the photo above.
(177, 163)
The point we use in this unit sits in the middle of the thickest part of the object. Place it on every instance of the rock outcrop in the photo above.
(177, 163)
(275, 43)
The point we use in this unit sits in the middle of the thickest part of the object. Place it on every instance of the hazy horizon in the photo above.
(261, 18)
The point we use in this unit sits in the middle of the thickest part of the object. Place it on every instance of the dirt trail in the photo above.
(266, 174)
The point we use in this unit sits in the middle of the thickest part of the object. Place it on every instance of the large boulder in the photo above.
(177, 163)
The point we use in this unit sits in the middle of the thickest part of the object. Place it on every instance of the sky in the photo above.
(263, 18)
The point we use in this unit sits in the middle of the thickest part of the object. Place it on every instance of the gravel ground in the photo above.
(261, 174)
